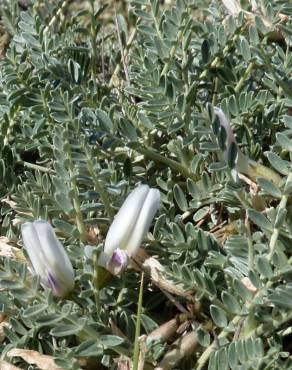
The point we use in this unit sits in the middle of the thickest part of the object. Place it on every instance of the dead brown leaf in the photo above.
(13, 205)
(249, 285)
(4, 42)
(4, 323)
(10, 202)
(7, 250)
(182, 347)
(7, 366)
(44, 362)
(93, 235)
(157, 273)
(123, 364)
(224, 232)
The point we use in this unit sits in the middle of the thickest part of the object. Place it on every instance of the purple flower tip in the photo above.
(53, 283)
(118, 262)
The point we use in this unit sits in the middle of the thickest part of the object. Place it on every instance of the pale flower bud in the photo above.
(48, 257)
(241, 160)
(225, 123)
(131, 224)
(243, 164)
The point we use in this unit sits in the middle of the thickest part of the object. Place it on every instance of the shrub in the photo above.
(94, 101)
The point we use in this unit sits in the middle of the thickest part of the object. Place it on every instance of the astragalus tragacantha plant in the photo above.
(187, 101)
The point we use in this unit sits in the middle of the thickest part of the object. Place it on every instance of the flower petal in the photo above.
(143, 222)
(125, 220)
(33, 247)
(57, 260)
(242, 162)
(48, 257)
(225, 123)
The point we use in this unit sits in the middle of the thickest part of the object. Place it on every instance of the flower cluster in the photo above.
(49, 260)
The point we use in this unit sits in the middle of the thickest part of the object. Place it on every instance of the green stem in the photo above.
(79, 216)
(122, 49)
(276, 231)
(215, 90)
(10, 128)
(225, 51)
(138, 326)
(155, 22)
(95, 279)
(152, 154)
(93, 36)
(99, 186)
(118, 66)
(244, 76)
(171, 54)
(250, 245)
(103, 196)
(35, 167)
(213, 65)
(76, 202)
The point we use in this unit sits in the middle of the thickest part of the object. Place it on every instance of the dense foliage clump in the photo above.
(95, 99)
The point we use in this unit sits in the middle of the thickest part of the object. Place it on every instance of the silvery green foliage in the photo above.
(73, 145)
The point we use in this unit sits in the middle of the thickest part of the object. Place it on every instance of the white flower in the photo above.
(48, 257)
(241, 160)
(225, 123)
(130, 225)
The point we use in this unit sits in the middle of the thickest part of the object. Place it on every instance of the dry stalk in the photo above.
(183, 347)
(157, 274)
